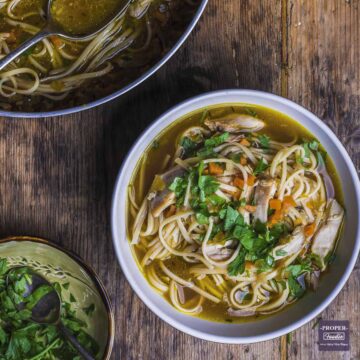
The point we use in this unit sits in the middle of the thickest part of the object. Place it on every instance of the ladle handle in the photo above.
(23, 47)
(74, 342)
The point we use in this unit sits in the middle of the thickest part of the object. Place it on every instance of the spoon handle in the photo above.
(74, 342)
(23, 47)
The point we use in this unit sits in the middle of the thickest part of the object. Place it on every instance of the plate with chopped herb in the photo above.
(45, 305)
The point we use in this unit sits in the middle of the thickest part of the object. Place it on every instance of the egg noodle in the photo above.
(55, 66)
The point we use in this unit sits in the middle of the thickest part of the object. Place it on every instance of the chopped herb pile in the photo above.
(20, 337)
(255, 240)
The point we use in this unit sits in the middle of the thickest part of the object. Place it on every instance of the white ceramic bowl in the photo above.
(306, 308)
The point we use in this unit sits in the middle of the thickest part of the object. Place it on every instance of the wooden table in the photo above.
(58, 174)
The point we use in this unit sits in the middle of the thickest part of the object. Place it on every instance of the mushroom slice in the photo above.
(235, 123)
(169, 176)
(290, 244)
(161, 201)
(264, 191)
(221, 252)
(325, 238)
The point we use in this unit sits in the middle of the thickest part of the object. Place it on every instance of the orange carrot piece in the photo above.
(239, 182)
(275, 218)
(275, 204)
(309, 229)
(215, 169)
(243, 160)
(245, 142)
(288, 202)
(56, 41)
(251, 180)
(250, 208)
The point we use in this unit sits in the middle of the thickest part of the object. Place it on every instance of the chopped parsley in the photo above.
(260, 167)
(264, 141)
(20, 337)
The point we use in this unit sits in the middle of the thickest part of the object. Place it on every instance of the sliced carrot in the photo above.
(170, 211)
(215, 169)
(56, 41)
(239, 182)
(275, 218)
(250, 208)
(309, 229)
(243, 160)
(288, 202)
(245, 142)
(206, 172)
(251, 180)
(275, 204)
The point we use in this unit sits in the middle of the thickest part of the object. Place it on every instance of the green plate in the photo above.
(59, 265)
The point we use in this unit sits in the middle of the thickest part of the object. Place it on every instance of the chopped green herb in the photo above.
(188, 145)
(20, 337)
(264, 141)
(238, 265)
(155, 145)
(314, 145)
(3, 266)
(204, 116)
(216, 140)
(260, 167)
(280, 252)
(296, 289)
(251, 112)
(201, 218)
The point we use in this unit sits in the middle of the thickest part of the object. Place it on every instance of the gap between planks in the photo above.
(284, 93)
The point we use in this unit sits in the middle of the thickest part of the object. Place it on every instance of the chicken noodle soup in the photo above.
(126, 48)
(234, 212)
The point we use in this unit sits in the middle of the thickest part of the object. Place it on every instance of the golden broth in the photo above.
(280, 127)
(79, 17)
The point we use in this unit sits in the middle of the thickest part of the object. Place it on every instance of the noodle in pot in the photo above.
(56, 66)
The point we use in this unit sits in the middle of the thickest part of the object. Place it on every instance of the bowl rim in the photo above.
(103, 100)
(90, 271)
(114, 215)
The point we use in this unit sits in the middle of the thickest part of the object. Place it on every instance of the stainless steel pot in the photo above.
(121, 91)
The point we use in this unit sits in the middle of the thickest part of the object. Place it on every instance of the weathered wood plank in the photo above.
(58, 174)
(324, 76)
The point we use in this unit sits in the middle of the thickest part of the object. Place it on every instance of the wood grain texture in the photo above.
(324, 76)
(58, 174)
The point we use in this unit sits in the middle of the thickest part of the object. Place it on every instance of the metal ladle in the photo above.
(47, 310)
(52, 28)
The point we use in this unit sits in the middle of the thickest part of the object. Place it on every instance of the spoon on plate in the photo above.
(47, 309)
(52, 28)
